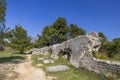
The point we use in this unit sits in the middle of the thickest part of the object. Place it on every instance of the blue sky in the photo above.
(91, 15)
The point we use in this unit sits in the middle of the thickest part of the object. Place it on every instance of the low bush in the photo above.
(1, 48)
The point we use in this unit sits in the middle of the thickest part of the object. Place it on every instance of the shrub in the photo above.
(1, 48)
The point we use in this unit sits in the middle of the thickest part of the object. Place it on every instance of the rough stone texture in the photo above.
(40, 59)
(39, 65)
(79, 51)
(47, 61)
(57, 68)
(44, 50)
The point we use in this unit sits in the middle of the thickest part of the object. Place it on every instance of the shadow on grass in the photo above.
(13, 59)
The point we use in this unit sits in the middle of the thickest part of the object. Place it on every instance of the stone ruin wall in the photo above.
(80, 51)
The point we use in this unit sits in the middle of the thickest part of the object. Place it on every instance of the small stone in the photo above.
(39, 65)
(46, 61)
(57, 68)
(40, 59)
(16, 60)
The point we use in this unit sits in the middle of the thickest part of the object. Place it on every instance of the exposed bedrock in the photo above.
(79, 53)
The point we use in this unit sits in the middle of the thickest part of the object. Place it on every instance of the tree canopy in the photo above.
(111, 48)
(75, 31)
(19, 39)
(102, 36)
(2, 9)
(58, 32)
(2, 20)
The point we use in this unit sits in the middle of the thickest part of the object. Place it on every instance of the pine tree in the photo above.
(2, 23)
(75, 31)
(19, 39)
(53, 34)
(103, 37)
(62, 29)
(2, 9)
(2, 20)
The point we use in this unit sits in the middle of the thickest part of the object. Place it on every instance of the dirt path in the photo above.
(28, 72)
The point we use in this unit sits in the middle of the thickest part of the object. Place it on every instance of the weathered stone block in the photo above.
(47, 61)
(57, 68)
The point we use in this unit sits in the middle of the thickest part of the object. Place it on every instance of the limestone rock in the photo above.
(78, 51)
(28, 52)
(57, 68)
(43, 51)
(39, 65)
(47, 61)
(40, 59)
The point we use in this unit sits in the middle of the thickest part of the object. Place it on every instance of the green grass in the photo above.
(104, 56)
(77, 74)
(72, 74)
(8, 56)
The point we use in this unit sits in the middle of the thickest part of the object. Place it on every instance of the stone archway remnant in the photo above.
(81, 53)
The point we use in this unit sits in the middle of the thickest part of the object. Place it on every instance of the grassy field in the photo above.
(72, 74)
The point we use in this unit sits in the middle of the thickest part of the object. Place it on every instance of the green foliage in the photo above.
(116, 43)
(2, 9)
(58, 33)
(103, 37)
(10, 55)
(111, 49)
(48, 36)
(53, 34)
(99, 55)
(62, 29)
(3, 28)
(19, 39)
(1, 48)
(108, 48)
(40, 42)
(75, 31)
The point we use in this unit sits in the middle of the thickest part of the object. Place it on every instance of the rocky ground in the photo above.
(28, 72)
(6, 71)
(22, 71)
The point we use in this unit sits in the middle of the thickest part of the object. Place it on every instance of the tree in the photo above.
(40, 42)
(75, 31)
(19, 39)
(2, 20)
(58, 33)
(103, 37)
(2, 9)
(62, 29)
(49, 36)
(116, 42)
(53, 34)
